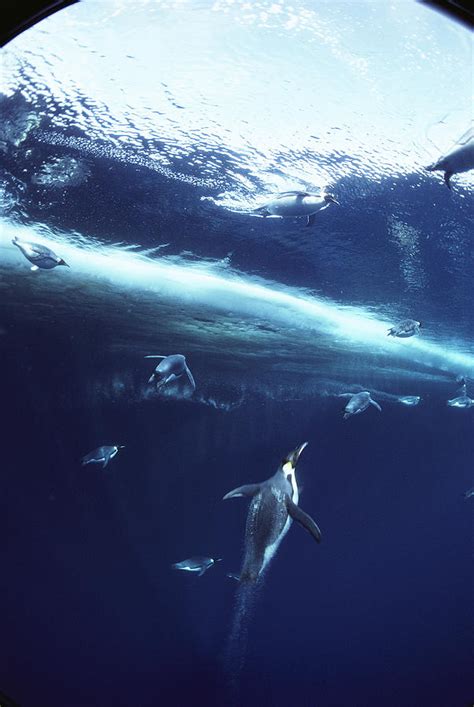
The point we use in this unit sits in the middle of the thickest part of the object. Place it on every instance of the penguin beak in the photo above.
(63, 262)
(295, 454)
(331, 199)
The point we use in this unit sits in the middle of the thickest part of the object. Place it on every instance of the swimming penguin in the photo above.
(462, 401)
(461, 159)
(409, 400)
(469, 493)
(289, 204)
(42, 258)
(169, 369)
(358, 403)
(102, 455)
(273, 507)
(196, 564)
(405, 328)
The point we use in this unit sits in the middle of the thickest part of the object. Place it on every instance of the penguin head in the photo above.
(329, 199)
(290, 461)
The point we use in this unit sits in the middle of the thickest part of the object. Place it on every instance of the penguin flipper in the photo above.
(201, 572)
(249, 490)
(190, 377)
(375, 404)
(311, 219)
(345, 395)
(154, 356)
(303, 519)
(447, 177)
(165, 381)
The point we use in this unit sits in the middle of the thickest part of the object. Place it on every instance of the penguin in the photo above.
(462, 401)
(42, 258)
(169, 369)
(358, 403)
(102, 455)
(196, 564)
(405, 328)
(469, 493)
(288, 204)
(409, 400)
(461, 159)
(273, 507)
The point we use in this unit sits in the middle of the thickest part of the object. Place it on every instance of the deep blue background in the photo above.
(379, 614)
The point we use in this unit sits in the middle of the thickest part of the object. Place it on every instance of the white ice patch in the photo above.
(329, 324)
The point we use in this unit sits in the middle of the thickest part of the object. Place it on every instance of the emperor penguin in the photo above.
(169, 369)
(289, 204)
(102, 455)
(461, 159)
(273, 507)
(405, 329)
(42, 258)
(196, 564)
(358, 403)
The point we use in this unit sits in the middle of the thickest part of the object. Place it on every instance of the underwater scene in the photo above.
(237, 343)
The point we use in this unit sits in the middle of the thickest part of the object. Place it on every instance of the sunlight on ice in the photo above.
(246, 296)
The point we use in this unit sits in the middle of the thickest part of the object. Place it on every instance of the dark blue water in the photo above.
(381, 612)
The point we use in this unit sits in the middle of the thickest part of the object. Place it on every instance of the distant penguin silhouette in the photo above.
(102, 455)
(409, 400)
(462, 401)
(169, 369)
(42, 258)
(461, 159)
(405, 328)
(196, 564)
(358, 403)
(289, 204)
(273, 507)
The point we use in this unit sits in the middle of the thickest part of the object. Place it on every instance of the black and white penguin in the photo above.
(461, 159)
(169, 369)
(405, 329)
(273, 507)
(358, 402)
(42, 258)
(102, 455)
(290, 204)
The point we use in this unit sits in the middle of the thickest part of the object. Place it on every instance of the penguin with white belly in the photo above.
(459, 160)
(290, 204)
(273, 507)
